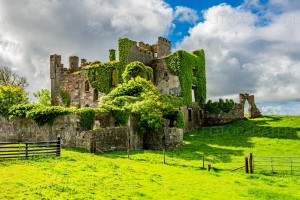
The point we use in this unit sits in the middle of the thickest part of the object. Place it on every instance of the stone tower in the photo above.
(162, 48)
(73, 63)
(56, 73)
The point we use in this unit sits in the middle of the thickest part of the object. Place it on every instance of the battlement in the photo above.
(73, 63)
(164, 41)
(145, 46)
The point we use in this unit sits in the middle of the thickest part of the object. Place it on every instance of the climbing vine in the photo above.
(87, 116)
(65, 97)
(46, 115)
(135, 69)
(100, 75)
(112, 55)
(219, 106)
(190, 68)
(141, 98)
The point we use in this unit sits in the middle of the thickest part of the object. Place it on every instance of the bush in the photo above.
(220, 106)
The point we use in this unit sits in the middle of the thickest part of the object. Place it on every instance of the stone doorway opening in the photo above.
(253, 111)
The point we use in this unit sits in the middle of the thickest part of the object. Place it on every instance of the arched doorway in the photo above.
(248, 105)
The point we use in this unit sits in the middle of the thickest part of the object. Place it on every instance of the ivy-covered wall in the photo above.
(190, 68)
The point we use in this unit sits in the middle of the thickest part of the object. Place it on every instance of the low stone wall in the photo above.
(168, 137)
(224, 118)
(22, 130)
(104, 139)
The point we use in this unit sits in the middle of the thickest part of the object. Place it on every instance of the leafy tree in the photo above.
(43, 96)
(141, 98)
(9, 96)
(8, 77)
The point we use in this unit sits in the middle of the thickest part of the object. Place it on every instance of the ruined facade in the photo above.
(75, 82)
(236, 113)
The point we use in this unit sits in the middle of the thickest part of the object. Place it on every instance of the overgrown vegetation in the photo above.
(219, 106)
(44, 97)
(135, 69)
(9, 96)
(87, 116)
(65, 98)
(190, 68)
(144, 176)
(141, 98)
(46, 115)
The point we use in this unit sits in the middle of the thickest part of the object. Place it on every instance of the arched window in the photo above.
(87, 86)
(96, 95)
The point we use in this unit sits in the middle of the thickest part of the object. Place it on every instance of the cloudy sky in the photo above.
(252, 46)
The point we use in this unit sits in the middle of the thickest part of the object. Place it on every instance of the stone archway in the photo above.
(253, 110)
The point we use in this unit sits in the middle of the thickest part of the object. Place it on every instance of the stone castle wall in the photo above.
(106, 136)
(236, 113)
(22, 130)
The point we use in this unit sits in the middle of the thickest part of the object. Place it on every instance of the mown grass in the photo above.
(80, 175)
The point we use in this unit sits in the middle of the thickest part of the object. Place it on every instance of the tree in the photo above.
(43, 96)
(8, 77)
(9, 96)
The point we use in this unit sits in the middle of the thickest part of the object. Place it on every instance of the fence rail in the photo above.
(25, 150)
(290, 164)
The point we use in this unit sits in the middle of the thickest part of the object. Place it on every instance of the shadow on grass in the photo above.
(222, 142)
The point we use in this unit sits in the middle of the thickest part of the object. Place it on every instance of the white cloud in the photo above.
(185, 14)
(244, 55)
(31, 30)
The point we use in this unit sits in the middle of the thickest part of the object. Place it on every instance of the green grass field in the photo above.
(81, 175)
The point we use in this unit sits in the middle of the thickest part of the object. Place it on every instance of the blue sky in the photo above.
(251, 46)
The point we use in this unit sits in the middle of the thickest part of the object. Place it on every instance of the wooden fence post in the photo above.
(164, 152)
(26, 150)
(58, 146)
(246, 165)
(128, 152)
(202, 161)
(251, 163)
(208, 166)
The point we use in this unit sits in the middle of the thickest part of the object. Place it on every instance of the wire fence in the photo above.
(274, 164)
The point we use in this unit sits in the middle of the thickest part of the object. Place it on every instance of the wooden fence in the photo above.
(25, 150)
(289, 164)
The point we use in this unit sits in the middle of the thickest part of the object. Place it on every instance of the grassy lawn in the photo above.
(81, 175)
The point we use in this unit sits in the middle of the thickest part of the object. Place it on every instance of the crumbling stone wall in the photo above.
(165, 82)
(193, 117)
(143, 55)
(253, 110)
(236, 113)
(104, 139)
(81, 91)
(21, 130)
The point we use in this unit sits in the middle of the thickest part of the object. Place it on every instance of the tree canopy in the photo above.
(43, 96)
(9, 96)
(8, 77)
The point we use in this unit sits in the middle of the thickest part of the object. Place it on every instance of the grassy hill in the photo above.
(81, 175)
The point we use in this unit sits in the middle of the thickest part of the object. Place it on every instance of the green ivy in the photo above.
(135, 69)
(100, 75)
(190, 68)
(219, 106)
(20, 110)
(46, 115)
(65, 97)
(112, 55)
(141, 98)
(87, 116)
